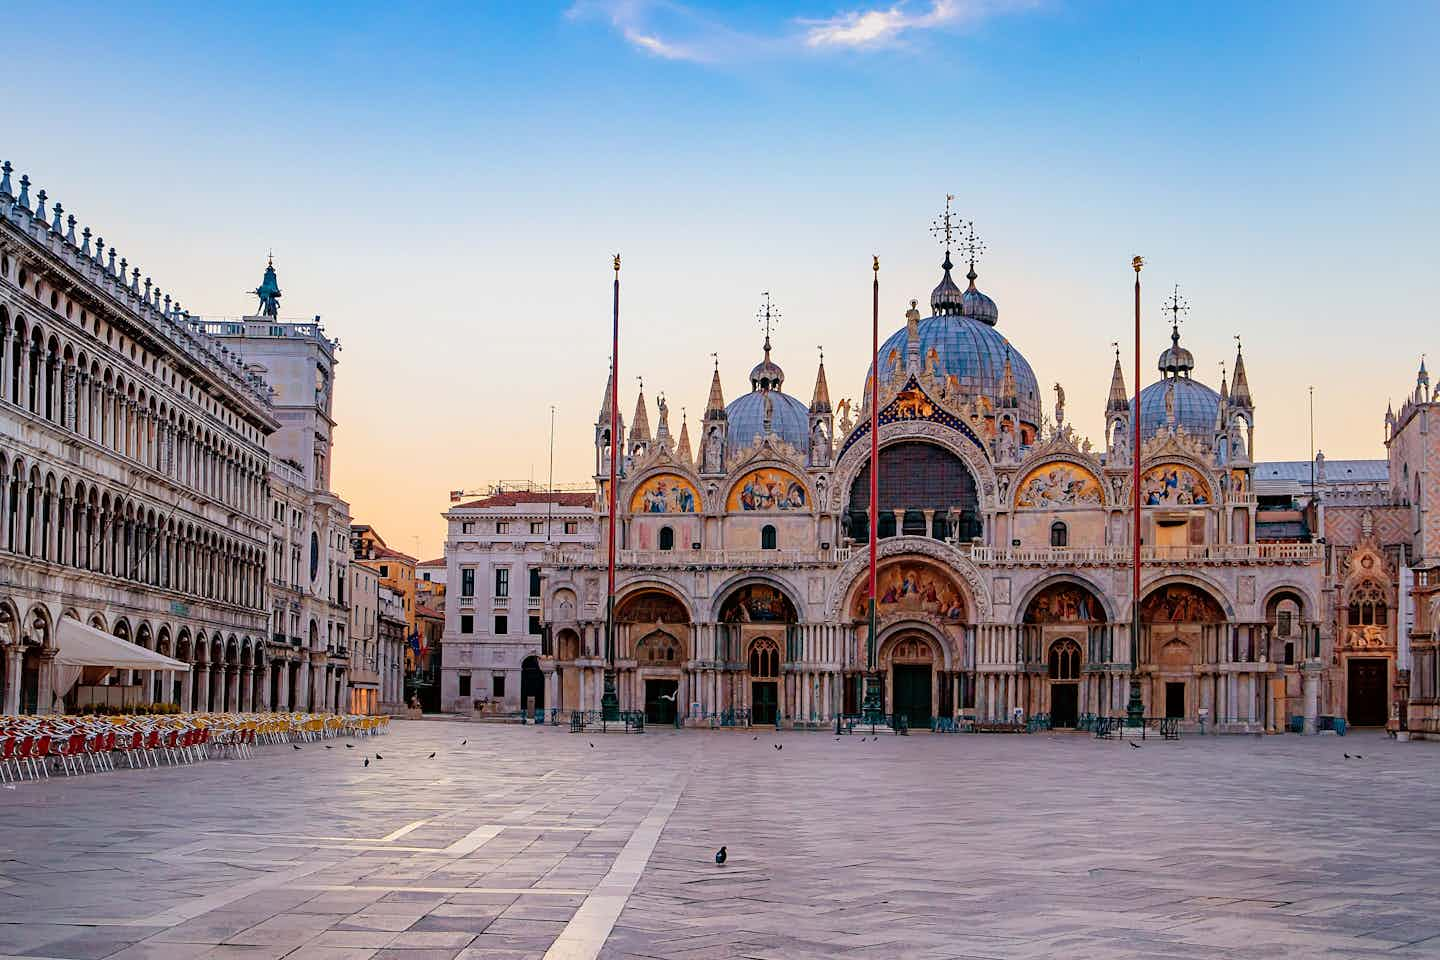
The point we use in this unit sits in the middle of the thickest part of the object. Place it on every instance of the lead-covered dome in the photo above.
(789, 418)
(971, 351)
(1196, 407)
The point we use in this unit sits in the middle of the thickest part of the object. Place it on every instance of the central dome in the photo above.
(973, 352)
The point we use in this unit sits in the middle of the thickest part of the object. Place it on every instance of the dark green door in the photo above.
(1064, 704)
(762, 701)
(912, 693)
(1366, 697)
(660, 697)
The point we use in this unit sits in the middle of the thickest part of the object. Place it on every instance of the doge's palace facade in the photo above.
(132, 470)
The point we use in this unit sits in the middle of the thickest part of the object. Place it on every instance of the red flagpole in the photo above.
(1135, 710)
(872, 705)
(609, 700)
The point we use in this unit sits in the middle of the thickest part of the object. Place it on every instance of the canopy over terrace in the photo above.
(89, 654)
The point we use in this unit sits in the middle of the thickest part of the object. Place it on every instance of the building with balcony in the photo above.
(1005, 548)
(494, 637)
(133, 476)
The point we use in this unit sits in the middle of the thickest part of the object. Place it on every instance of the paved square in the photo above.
(526, 843)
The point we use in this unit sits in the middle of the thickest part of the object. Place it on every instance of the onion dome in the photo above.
(976, 304)
(1176, 360)
(946, 299)
(767, 375)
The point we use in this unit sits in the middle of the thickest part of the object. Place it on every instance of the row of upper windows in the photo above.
(502, 581)
(154, 364)
(537, 527)
(501, 625)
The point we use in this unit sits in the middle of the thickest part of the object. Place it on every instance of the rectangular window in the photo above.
(467, 582)
(534, 581)
(502, 581)
(468, 526)
(502, 526)
(572, 526)
(467, 623)
(534, 626)
(384, 570)
(497, 686)
(502, 624)
(537, 526)
(464, 690)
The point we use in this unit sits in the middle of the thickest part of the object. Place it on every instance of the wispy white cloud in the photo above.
(672, 30)
(882, 26)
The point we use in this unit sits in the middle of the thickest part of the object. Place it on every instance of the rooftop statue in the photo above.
(269, 292)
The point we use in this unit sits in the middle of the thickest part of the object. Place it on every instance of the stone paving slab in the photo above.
(531, 843)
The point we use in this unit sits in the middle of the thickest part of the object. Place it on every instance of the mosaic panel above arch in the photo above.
(908, 585)
(1058, 484)
(1180, 603)
(767, 489)
(665, 493)
(758, 603)
(1065, 603)
(1174, 485)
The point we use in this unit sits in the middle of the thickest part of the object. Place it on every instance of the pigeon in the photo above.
(463, 742)
(779, 747)
(367, 761)
(349, 746)
(378, 757)
(720, 856)
(328, 747)
(431, 757)
(1358, 757)
(295, 745)
(670, 697)
(1347, 756)
(1133, 744)
(754, 738)
(592, 746)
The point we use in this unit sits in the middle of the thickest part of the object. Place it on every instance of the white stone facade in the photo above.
(494, 548)
(309, 547)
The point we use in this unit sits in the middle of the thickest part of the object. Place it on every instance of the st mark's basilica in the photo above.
(1004, 554)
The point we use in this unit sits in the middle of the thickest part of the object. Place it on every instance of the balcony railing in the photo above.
(1110, 555)
(532, 603)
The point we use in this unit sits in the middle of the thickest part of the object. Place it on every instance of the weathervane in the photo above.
(768, 316)
(716, 358)
(945, 225)
(973, 246)
(1176, 305)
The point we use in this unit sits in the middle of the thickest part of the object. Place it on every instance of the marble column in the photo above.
(14, 667)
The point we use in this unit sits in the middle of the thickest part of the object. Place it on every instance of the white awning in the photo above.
(84, 646)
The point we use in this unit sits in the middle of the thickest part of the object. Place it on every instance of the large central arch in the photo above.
(925, 490)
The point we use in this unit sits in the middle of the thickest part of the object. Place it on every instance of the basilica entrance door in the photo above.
(1366, 694)
(762, 702)
(660, 697)
(912, 693)
(1064, 704)
(1175, 700)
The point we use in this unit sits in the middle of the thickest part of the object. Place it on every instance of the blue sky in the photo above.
(445, 185)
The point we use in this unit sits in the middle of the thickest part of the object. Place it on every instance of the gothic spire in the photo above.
(640, 426)
(1119, 400)
(820, 402)
(682, 451)
(1240, 386)
(715, 406)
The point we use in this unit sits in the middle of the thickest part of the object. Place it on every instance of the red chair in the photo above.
(7, 759)
(70, 751)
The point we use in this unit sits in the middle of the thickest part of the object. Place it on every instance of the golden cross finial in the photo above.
(876, 266)
(617, 263)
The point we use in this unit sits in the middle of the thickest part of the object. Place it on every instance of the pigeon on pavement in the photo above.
(720, 856)
(431, 757)
(367, 761)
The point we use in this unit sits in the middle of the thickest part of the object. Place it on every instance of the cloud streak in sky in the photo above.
(676, 31)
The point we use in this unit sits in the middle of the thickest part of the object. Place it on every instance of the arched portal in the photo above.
(1062, 618)
(1179, 623)
(654, 633)
(757, 628)
(909, 659)
(764, 664)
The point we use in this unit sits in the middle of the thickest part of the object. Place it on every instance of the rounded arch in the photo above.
(856, 457)
(850, 579)
(893, 634)
(1301, 596)
(1184, 598)
(122, 629)
(1098, 596)
(665, 488)
(925, 489)
(766, 485)
(1058, 482)
(567, 644)
(731, 586)
(651, 601)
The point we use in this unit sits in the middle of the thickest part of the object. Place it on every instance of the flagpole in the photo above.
(1135, 709)
(610, 700)
(873, 706)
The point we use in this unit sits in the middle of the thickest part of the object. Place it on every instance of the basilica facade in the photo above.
(1004, 575)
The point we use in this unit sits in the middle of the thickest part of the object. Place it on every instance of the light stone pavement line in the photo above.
(472, 841)
(202, 905)
(586, 932)
(408, 828)
(390, 888)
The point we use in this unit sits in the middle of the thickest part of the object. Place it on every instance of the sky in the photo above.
(446, 185)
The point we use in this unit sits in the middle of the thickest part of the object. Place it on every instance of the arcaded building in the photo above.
(1005, 548)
